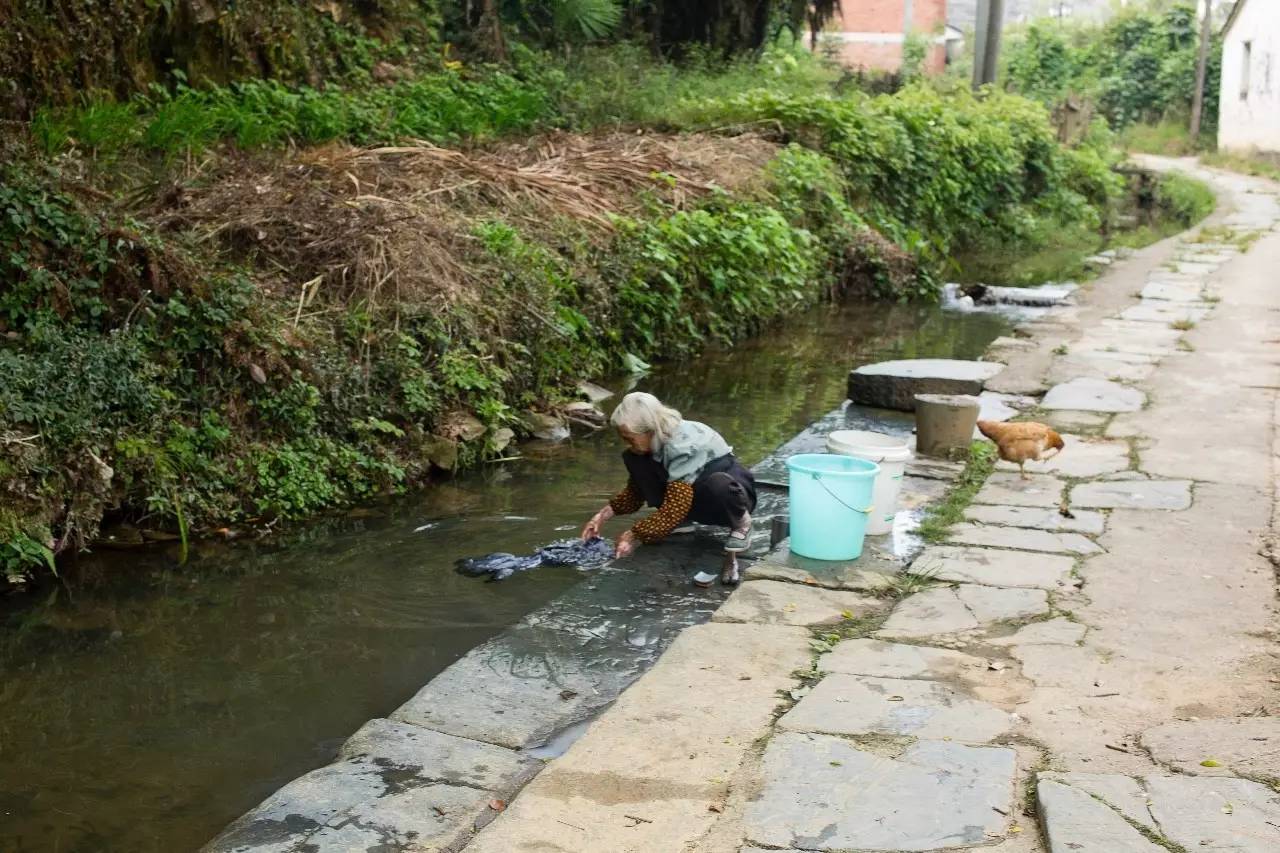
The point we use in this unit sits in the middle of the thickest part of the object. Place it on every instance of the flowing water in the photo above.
(143, 705)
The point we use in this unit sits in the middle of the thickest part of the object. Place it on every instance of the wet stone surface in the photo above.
(824, 793)
(776, 603)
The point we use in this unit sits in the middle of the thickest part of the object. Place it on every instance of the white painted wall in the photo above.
(1249, 103)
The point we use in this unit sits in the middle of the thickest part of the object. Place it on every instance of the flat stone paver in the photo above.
(1052, 632)
(1022, 539)
(1196, 813)
(993, 604)
(1174, 291)
(894, 384)
(1244, 746)
(1067, 420)
(1094, 395)
(1040, 518)
(1157, 311)
(1080, 458)
(1215, 814)
(994, 567)
(1133, 494)
(772, 602)
(824, 793)
(863, 705)
(1074, 822)
(1008, 489)
(899, 660)
(940, 611)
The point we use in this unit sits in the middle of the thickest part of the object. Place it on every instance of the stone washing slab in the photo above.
(1021, 539)
(391, 779)
(861, 705)
(1040, 518)
(1009, 489)
(899, 660)
(356, 805)
(824, 793)
(1094, 395)
(1243, 746)
(994, 567)
(1080, 458)
(1133, 494)
(772, 602)
(894, 384)
(1194, 813)
(965, 608)
(1052, 632)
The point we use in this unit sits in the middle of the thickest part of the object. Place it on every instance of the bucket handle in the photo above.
(818, 477)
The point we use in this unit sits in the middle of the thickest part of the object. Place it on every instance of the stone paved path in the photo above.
(1094, 682)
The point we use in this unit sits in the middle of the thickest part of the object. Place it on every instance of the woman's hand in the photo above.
(627, 545)
(592, 529)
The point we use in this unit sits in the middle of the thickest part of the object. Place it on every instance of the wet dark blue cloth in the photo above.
(563, 552)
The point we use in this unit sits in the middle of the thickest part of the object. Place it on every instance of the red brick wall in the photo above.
(886, 16)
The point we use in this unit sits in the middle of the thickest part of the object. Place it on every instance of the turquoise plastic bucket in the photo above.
(830, 501)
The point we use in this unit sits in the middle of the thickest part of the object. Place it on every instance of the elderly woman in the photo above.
(686, 470)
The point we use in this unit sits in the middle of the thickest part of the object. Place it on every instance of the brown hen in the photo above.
(1022, 442)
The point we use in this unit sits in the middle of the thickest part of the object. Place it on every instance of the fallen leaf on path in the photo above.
(789, 607)
(715, 807)
(1226, 809)
(895, 699)
(1209, 762)
(497, 805)
(847, 614)
(568, 694)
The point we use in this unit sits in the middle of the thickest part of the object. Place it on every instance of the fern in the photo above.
(591, 19)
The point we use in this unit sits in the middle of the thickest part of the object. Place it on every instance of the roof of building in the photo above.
(1231, 19)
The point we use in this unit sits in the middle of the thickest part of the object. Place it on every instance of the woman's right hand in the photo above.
(592, 529)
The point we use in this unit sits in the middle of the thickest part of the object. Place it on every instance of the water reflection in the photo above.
(143, 706)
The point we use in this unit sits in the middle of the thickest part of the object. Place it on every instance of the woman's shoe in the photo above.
(739, 537)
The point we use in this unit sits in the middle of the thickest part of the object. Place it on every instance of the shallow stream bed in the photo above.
(143, 706)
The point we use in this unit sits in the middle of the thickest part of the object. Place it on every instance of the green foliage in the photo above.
(586, 19)
(1138, 67)
(940, 516)
(1183, 199)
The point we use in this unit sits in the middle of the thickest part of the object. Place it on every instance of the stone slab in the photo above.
(1133, 494)
(772, 602)
(1215, 814)
(663, 752)
(1157, 311)
(439, 757)
(1001, 407)
(1040, 518)
(1244, 746)
(1051, 632)
(1021, 539)
(1081, 458)
(899, 660)
(863, 705)
(994, 567)
(1067, 420)
(894, 384)
(1173, 291)
(992, 604)
(1124, 794)
(823, 793)
(356, 805)
(1010, 489)
(933, 612)
(1075, 822)
(1094, 395)
(965, 608)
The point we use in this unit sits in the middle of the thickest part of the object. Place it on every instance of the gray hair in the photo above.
(644, 414)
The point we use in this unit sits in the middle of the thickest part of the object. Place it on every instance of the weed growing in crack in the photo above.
(948, 511)
(1183, 325)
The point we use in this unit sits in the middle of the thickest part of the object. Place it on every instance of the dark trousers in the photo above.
(723, 492)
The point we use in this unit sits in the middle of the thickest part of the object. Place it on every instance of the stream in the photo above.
(143, 705)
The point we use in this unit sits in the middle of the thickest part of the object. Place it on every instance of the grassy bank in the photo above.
(210, 324)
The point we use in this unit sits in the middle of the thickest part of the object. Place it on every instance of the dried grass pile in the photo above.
(395, 224)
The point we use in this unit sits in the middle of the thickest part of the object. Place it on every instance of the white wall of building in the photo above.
(1249, 103)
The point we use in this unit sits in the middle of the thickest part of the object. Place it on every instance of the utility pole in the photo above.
(1197, 99)
(986, 45)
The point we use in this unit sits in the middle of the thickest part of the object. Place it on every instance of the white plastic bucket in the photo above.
(891, 454)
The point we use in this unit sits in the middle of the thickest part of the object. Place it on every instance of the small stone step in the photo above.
(1094, 395)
